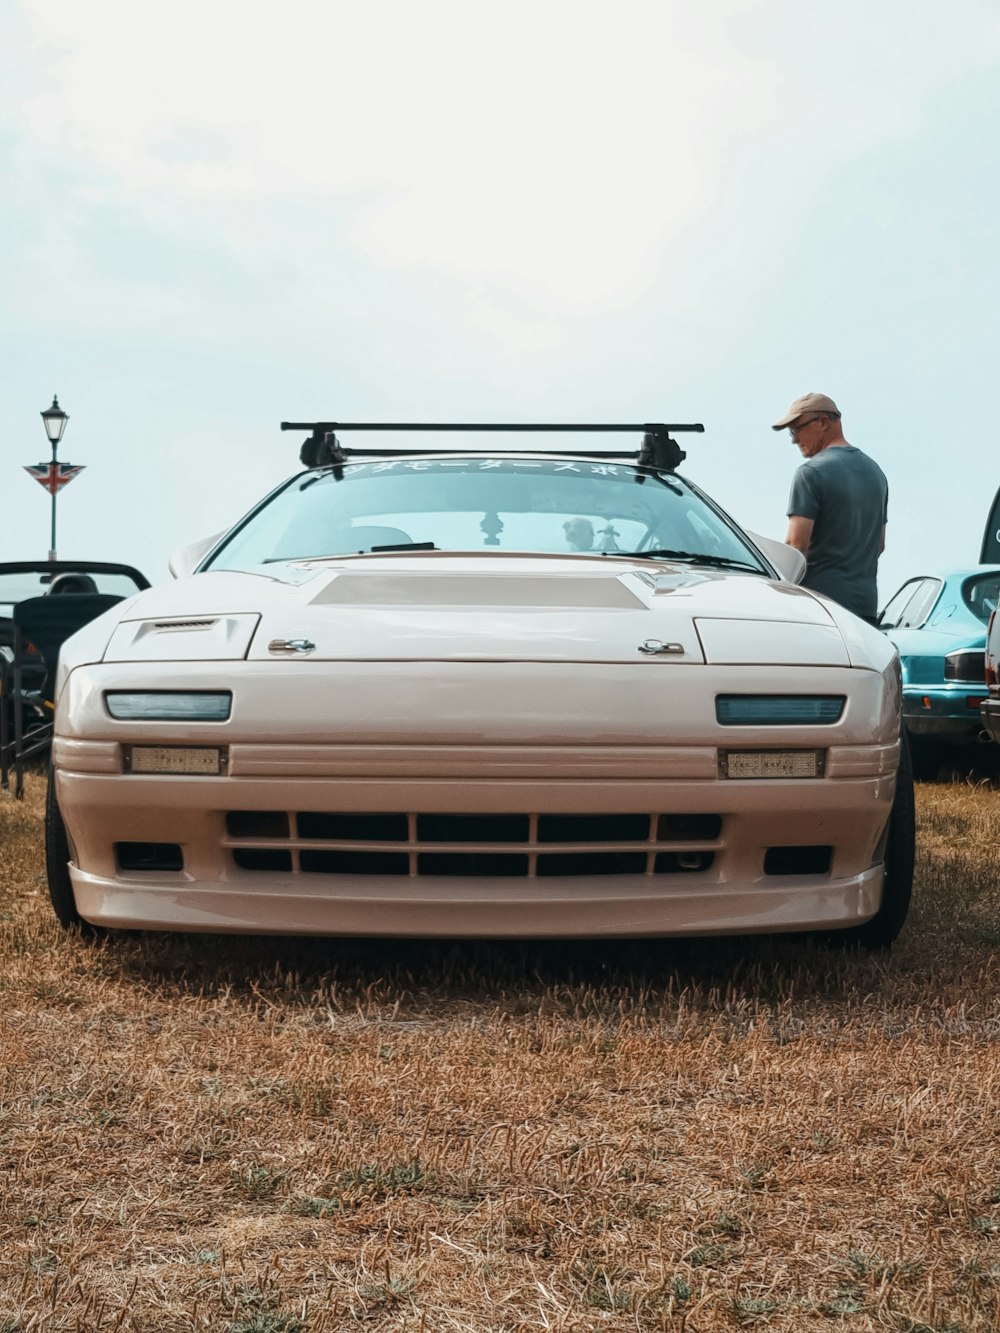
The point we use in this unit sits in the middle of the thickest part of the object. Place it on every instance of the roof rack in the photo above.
(657, 450)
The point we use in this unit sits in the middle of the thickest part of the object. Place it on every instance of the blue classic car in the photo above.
(938, 624)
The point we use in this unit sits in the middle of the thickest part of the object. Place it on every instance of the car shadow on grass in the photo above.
(977, 763)
(511, 973)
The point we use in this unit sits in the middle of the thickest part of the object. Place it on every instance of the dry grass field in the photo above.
(288, 1136)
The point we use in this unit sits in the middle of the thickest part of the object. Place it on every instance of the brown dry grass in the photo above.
(281, 1136)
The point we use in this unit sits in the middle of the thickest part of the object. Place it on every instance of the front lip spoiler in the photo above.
(504, 910)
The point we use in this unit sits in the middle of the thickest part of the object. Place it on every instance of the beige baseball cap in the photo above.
(809, 402)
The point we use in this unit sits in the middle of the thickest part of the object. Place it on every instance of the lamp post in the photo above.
(54, 419)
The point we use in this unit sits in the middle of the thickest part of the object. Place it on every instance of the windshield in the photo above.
(545, 505)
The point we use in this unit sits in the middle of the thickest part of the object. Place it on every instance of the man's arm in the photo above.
(800, 531)
(881, 541)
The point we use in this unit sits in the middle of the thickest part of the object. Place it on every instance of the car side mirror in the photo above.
(186, 559)
(790, 563)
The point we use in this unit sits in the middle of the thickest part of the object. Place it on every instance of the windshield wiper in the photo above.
(402, 546)
(360, 550)
(692, 558)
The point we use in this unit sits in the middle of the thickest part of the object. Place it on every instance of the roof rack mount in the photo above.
(657, 450)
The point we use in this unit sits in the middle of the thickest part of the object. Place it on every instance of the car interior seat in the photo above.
(71, 583)
(364, 538)
(46, 623)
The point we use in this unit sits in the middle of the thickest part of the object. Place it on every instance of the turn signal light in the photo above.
(190, 759)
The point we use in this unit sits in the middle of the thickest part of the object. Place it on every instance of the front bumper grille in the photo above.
(527, 846)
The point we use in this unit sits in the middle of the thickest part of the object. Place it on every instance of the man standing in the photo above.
(837, 509)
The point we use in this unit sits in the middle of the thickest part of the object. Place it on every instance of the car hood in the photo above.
(496, 608)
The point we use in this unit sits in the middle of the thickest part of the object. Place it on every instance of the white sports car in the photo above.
(468, 693)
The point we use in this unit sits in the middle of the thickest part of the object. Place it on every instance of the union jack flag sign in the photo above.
(54, 476)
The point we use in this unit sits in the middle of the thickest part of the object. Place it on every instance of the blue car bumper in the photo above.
(949, 713)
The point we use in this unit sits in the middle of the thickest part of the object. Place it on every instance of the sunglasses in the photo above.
(800, 426)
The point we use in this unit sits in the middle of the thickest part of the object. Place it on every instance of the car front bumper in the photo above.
(476, 799)
(708, 873)
(948, 713)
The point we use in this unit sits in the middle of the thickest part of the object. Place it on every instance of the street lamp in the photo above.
(54, 419)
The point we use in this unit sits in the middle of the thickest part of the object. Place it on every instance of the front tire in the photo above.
(57, 857)
(897, 886)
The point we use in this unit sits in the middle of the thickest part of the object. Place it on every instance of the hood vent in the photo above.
(526, 591)
(222, 638)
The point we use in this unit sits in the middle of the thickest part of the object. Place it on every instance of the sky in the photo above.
(217, 216)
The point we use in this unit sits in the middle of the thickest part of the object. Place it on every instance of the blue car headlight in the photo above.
(968, 665)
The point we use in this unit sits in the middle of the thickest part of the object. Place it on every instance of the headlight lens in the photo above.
(966, 665)
(169, 705)
(778, 710)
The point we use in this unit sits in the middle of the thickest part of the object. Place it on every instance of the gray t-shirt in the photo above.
(846, 495)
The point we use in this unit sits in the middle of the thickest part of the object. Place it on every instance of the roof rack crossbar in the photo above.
(652, 427)
(322, 449)
(361, 454)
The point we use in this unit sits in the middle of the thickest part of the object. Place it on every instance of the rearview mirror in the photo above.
(186, 559)
(790, 563)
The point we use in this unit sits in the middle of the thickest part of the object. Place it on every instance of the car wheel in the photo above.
(925, 757)
(885, 925)
(57, 856)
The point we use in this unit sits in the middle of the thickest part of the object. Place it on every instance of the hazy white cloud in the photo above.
(516, 148)
(221, 214)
